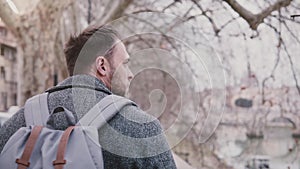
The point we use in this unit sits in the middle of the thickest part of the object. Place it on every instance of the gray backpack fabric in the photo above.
(39, 146)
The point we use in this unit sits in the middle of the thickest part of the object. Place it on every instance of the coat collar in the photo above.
(81, 81)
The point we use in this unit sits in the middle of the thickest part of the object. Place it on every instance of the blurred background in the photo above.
(256, 44)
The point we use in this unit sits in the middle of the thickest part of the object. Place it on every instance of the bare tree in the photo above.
(39, 33)
(255, 19)
(36, 32)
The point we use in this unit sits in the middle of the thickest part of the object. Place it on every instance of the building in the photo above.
(8, 68)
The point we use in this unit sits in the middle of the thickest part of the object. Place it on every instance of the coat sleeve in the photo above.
(11, 126)
(138, 142)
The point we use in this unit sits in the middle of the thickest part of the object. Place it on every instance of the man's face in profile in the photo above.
(120, 74)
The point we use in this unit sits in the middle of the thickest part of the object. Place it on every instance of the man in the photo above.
(98, 66)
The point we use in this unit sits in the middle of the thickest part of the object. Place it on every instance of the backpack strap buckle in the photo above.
(59, 162)
(23, 162)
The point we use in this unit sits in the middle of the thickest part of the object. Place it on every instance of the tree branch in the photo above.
(214, 26)
(108, 10)
(89, 15)
(171, 4)
(10, 18)
(116, 12)
(292, 67)
(55, 4)
(271, 76)
(255, 19)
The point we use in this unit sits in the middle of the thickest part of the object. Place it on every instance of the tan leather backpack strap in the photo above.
(60, 161)
(23, 162)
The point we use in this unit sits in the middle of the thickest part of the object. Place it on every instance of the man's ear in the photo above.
(102, 65)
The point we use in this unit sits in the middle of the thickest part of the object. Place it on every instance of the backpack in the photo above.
(38, 145)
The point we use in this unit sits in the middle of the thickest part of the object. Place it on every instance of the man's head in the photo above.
(99, 52)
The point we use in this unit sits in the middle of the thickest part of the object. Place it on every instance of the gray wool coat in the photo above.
(129, 148)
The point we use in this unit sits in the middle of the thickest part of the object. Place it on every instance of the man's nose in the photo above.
(130, 74)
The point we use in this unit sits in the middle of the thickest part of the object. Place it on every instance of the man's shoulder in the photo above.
(16, 120)
(11, 126)
(136, 114)
(134, 122)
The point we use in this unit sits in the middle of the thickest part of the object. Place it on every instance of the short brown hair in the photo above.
(82, 50)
